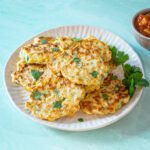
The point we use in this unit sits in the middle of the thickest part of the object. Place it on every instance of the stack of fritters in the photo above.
(67, 74)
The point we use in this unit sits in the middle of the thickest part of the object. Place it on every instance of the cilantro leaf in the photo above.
(126, 82)
(36, 74)
(36, 95)
(136, 76)
(118, 57)
(76, 59)
(133, 75)
(94, 74)
(136, 69)
(133, 78)
(80, 119)
(63, 99)
(43, 41)
(105, 96)
(128, 69)
(57, 104)
(114, 77)
(55, 49)
(143, 82)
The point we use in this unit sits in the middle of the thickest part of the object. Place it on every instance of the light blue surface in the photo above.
(22, 19)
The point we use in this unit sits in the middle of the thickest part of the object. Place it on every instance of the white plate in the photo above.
(19, 96)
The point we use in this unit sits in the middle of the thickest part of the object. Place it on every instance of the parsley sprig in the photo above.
(118, 57)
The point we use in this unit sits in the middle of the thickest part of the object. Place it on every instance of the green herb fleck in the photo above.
(55, 49)
(118, 57)
(43, 41)
(114, 77)
(103, 58)
(80, 119)
(76, 39)
(63, 99)
(36, 74)
(105, 96)
(36, 95)
(76, 59)
(57, 104)
(94, 74)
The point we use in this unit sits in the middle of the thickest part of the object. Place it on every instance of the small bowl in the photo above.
(142, 39)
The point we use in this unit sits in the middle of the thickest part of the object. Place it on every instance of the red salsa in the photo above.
(142, 24)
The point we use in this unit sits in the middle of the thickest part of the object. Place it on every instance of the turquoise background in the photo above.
(22, 19)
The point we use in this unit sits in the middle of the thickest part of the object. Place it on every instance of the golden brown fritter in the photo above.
(108, 99)
(61, 100)
(86, 62)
